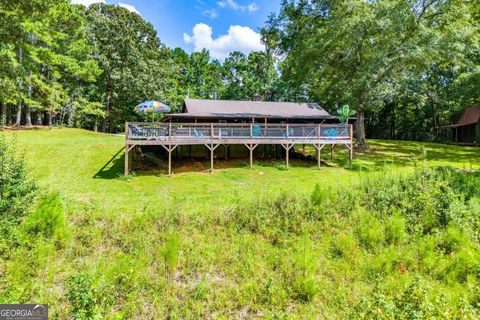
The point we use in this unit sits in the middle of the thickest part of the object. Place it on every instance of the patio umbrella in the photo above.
(152, 107)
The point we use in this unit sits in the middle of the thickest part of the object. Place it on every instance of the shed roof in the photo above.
(198, 108)
(470, 116)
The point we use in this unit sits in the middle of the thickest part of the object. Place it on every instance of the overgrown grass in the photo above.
(387, 238)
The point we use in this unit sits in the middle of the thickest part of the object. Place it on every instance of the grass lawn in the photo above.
(234, 244)
(88, 167)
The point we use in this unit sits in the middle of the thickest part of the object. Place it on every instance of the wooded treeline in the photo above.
(405, 65)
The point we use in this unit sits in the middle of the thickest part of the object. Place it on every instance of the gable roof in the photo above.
(469, 116)
(250, 109)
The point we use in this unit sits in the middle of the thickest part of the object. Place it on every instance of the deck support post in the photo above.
(350, 128)
(350, 149)
(332, 149)
(287, 147)
(319, 148)
(350, 159)
(128, 148)
(212, 148)
(169, 149)
(126, 160)
(251, 147)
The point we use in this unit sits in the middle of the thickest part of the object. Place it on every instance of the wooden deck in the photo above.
(171, 135)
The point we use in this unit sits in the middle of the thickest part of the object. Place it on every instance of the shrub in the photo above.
(274, 218)
(48, 219)
(170, 253)
(319, 195)
(368, 229)
(81, 296)
(395, 228)
(453, 239)
(304, 267)
(17, 189)
(463, 264)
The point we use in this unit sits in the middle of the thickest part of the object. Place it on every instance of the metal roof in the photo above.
(470, 116)
(198, 108)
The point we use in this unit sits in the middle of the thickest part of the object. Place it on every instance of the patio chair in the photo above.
(330, 133)
(256, 129)
(290, 133)
(198, 134)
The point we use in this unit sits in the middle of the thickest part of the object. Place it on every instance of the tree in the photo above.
(135, 65)
(41, 45)
(354, 51)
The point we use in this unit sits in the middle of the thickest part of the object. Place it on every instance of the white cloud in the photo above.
(252, 7)
(212, 13)
(232, 4)
(86, 3)
(238, 38)
(129, 7)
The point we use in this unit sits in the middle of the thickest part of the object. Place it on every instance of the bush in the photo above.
(395, 228)
(304, 267)
(81, 296)
(48, 219)
(368, 229)
(17, 189)
(170, 253)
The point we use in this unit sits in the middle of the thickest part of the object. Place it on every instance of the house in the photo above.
(219, 127)
(231, 111)
(467, 129)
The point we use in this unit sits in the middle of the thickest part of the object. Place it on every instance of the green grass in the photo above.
(71, 161)
(237, 243)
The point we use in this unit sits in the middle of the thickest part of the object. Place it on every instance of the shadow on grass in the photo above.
(381, 154)
(113, 168)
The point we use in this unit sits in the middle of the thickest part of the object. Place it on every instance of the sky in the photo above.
(220, 26)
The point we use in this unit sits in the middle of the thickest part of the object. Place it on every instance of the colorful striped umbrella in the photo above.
(152, 107)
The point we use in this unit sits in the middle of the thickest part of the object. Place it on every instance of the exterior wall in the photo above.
(467, 134)
(477, 138)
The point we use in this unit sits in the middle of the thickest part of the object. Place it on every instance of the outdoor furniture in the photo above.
(256, 130)
(330, 133)
(289, 133)
(198, 134)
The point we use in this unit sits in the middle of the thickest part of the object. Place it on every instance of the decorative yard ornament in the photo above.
(344, 113)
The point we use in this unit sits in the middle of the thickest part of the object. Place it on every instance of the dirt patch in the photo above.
(15, 128)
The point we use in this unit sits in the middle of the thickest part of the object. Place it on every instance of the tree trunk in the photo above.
(4, 114)
(19, 115)
(49, 118)
(39, 120)
(360, 129)
(28, 117)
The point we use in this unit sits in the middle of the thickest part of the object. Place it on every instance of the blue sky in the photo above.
(218, 25)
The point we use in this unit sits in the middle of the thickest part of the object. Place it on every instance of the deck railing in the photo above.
(241, 131)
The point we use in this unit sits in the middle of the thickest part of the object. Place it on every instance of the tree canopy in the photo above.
(365, 53)
(404, 66)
